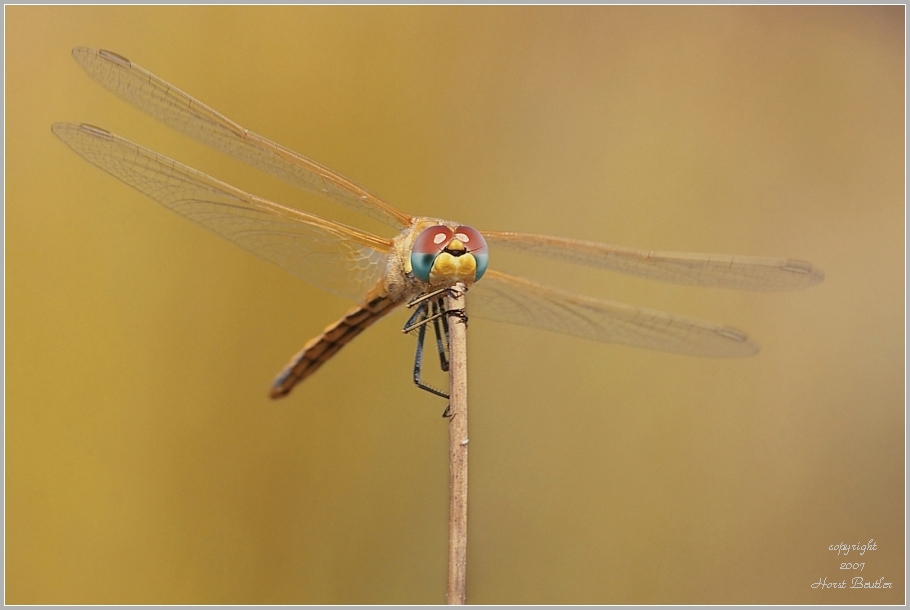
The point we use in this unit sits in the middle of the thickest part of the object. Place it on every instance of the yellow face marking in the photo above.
(448, 269)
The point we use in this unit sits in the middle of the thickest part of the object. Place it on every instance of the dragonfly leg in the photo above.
(417, 320)
(420, 317)
(461, 314)
(442, 336)
(438, 310)
(431, 308)
(429, 295)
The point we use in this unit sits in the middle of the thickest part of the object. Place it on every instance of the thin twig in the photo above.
(458, 446)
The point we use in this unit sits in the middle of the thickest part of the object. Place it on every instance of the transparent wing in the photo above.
(716, 270)
(179, 110)
(507, 298)
(337, 258)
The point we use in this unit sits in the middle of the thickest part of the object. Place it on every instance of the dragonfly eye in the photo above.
(426, 248)
(477, 246)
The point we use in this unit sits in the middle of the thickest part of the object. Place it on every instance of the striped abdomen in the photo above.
(332, 339)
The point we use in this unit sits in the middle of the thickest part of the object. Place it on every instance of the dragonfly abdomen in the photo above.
(319, 349)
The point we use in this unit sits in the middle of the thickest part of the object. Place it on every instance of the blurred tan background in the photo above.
(144, 463)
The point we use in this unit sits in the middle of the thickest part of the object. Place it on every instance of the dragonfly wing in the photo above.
(507, 298)
(715, 270)
(337, 258)
(184, 113)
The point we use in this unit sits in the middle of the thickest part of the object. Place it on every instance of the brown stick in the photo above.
(458, 447)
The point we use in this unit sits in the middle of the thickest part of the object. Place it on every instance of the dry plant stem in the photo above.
(458, 448)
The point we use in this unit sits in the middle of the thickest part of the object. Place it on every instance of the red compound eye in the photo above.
(471, 238)
(426, 248)
(432, 240)
(475, 244)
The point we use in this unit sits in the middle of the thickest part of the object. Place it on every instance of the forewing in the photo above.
(337, 258)
(715, 270)
(181, 111)
(515, 300)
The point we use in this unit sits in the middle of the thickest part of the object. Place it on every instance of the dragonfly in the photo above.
(427, 254)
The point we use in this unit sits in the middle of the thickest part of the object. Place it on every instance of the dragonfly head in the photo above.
(442, 256)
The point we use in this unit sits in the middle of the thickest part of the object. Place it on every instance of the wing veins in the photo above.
(317, 250)
(714, 270)
(518, 300)
(179, 110)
